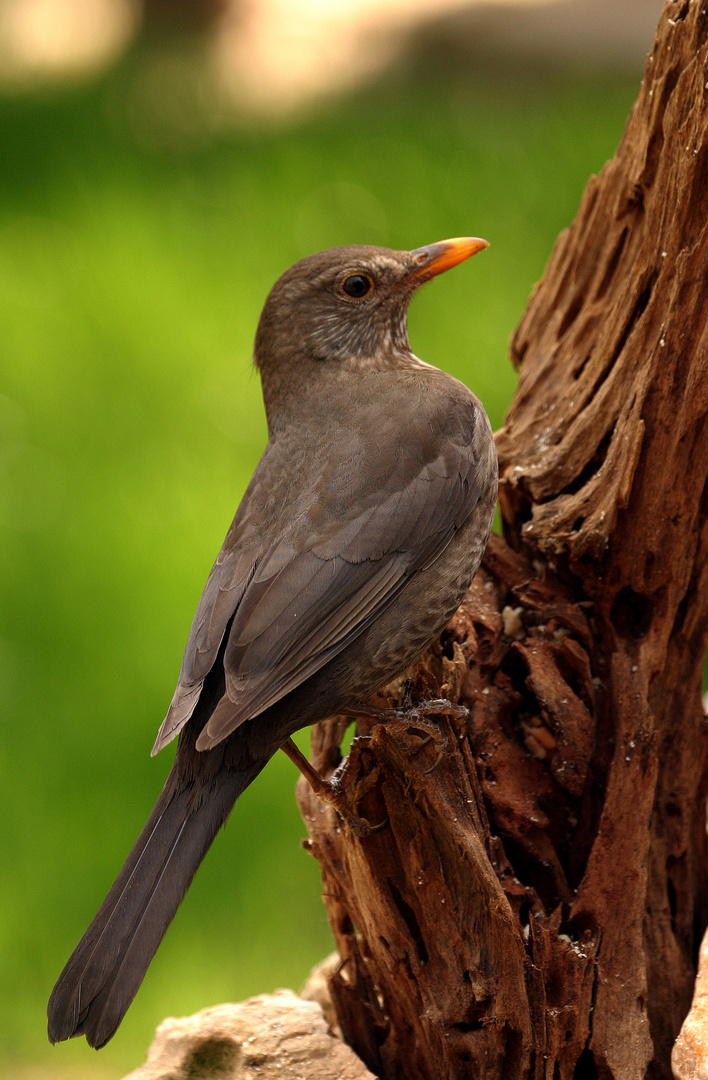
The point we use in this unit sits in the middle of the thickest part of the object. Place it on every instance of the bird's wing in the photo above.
(222, 594)
(377, 518)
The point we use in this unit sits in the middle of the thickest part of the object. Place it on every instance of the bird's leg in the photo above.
(329, 791)
(407, 695)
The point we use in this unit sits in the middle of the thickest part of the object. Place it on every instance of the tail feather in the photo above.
(105, 970)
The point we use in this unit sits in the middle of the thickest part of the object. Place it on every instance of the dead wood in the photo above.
(535, 906)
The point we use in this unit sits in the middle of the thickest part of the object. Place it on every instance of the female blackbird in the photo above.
(356, 540)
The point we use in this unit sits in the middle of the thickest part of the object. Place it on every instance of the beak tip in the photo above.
(469, 245)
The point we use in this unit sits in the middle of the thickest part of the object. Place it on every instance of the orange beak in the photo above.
(435, 258)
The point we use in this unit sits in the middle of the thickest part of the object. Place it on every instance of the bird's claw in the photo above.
(362, 828)
(409, 716)
(359, 826)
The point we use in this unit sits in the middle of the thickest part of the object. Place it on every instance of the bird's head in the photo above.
(348, 305)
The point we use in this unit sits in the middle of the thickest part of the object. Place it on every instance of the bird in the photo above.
(356, 540)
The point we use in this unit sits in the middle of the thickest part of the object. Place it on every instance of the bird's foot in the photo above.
(410, 718)
(330, 791)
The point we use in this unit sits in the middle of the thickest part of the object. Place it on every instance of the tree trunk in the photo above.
(535, 905)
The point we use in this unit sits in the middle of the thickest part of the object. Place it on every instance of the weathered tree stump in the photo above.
(535, 906)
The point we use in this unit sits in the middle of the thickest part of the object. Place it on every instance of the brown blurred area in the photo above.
(273, 56)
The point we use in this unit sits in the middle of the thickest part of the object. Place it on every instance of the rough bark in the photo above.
(535, 905)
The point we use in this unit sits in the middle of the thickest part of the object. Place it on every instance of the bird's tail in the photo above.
(105, 970)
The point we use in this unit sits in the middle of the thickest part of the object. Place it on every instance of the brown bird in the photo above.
(356, 540)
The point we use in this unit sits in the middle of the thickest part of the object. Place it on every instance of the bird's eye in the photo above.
(357, 285)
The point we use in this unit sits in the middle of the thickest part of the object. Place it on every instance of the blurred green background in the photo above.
(133, 266)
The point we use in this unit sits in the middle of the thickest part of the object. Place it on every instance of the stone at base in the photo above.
(272, 1035)
(689, 1058)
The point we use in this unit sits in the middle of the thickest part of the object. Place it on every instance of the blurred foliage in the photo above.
(132, 270)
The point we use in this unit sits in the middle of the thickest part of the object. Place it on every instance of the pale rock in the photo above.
(272, 1035)
(689, 1058)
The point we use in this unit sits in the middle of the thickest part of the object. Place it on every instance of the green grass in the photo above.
(131, 278)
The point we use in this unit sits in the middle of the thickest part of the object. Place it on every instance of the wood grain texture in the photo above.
(534, 907)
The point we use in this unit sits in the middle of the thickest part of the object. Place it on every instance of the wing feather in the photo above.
(336, 559)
